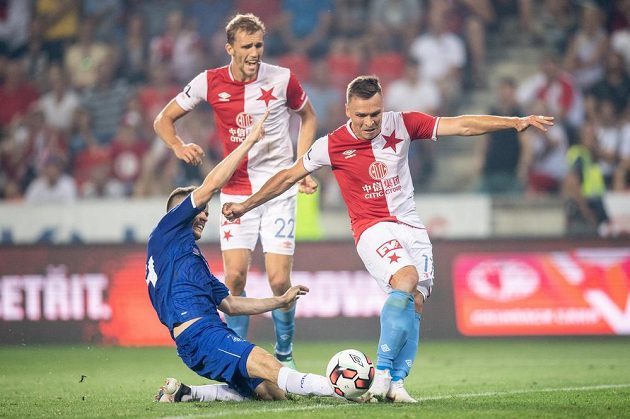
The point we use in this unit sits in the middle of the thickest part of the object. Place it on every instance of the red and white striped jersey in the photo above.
(237, 105)
(374, 176)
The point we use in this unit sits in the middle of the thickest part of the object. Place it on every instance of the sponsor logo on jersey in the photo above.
(349, 153)
(224, 97)
(388, 246)
(377, 170)
(228, 222)
(244, 120)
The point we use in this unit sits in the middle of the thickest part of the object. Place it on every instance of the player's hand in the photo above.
(191, 153)
(539, 121)
(258, 130)
(232, 210)
(307, 185)
(293, 294)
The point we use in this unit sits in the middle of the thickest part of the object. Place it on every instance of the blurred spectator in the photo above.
(210, 16)
(622, 172)
(556, 88)
(59, 20)
(52, 185)
(16, 162)
(383, 59)
(326, 98)
(107, 16)
(154, 95)
(179, 47)
(15, 17)
(584, 186)
(501, 168)
(270, 12)
(344, 62)
(620, 37)
(16, 94)
(106, 102)
(608, 133)
(615, 86)
(587, 49)
(544, 156)
(46, 141)
(306, 25)
(397, 21)
(412, 93)
(556, 21)
(441, 56)
(135, 50)
(349, 19)
(35, 57)
(84, 57)
(159, 172)
(155, 14)
(60, 103)
(127, 151)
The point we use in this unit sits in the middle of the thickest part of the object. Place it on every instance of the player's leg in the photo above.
(262, 364)
(174, 391)
(236, 265)
(278, 268)
(238, 240)
(277, 236)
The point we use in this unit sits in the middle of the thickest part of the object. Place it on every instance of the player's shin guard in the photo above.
(284, 324)
(404, 361)
(239, 324)
(215, 392)
(302, 384)
(396, 319)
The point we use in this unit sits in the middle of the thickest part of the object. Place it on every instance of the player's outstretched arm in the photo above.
(235, 306)
(468, 125)
(308, 129)
(223, 171)
(276, 185)
(164, 126)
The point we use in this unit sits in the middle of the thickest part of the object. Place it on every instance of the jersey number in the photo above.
(151, 276)
(286, 228)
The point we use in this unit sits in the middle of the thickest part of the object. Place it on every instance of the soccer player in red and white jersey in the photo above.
(240, 93)
(369, 158)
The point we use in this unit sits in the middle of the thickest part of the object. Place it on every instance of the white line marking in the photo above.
(262, 409)
(229, 353)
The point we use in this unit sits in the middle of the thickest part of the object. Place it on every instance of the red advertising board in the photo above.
(578, 292)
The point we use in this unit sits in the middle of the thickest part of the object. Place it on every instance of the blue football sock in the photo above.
(239, 324)
(396, 324)
(404, 361)
(284, 324)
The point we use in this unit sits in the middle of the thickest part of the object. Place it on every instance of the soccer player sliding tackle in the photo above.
(369, 158)
(186, 297)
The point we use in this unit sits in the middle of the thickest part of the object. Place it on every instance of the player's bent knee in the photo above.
(261, 364)
(405, 279)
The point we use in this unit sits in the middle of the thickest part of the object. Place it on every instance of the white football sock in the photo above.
(302, 384)
(215, 392)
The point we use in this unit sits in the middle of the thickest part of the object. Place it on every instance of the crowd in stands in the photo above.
(82, 80)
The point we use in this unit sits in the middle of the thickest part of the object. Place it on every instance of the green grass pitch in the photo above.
(568, 378)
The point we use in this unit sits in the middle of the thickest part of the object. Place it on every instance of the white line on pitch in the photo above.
(261, 409)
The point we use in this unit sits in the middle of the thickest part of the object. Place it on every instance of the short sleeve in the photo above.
(296, 96)
(219, 291)
(420, 125)
(194, 93)
(317, 156)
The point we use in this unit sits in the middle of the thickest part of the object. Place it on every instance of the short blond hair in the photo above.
(248, 22)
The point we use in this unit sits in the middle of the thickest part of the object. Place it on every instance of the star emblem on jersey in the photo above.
(391, 141)
(227, 235)
(267, 96)
(393, 258)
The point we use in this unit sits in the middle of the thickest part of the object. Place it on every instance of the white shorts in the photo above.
(387, 247)
(274, 222)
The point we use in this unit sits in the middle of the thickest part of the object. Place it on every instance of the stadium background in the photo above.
(83, 80)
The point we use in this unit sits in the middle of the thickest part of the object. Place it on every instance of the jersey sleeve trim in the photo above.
(434, 136)
(302, 105)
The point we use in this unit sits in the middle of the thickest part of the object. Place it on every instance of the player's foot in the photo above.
(398, 394)
(173, 391)
(287, 360)
(366, 398)
(380, 385)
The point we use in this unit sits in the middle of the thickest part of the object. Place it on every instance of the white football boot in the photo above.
(379, 388)
(398, 394)
(173, 391)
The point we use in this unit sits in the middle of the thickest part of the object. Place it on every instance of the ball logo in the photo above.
(244, 120)
(377, 170)
(503, 281)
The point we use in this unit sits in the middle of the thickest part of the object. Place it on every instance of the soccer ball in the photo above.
(350, 373)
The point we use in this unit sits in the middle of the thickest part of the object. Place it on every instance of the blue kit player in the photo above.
(186, 297)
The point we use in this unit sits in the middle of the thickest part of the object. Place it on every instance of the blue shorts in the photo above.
(216, 352)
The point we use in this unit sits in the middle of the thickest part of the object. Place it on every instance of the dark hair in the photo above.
(245, 22)
(177, 192)
(363, 87)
